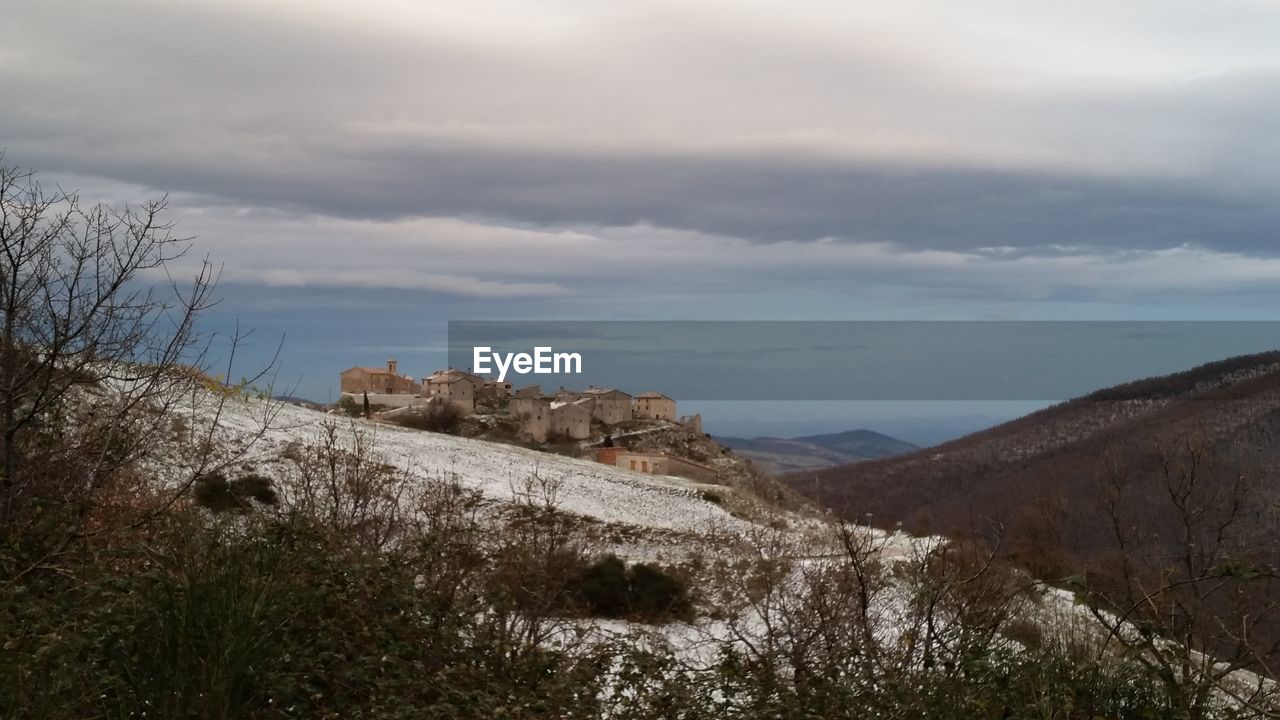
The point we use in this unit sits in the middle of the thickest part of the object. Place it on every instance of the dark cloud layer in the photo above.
(763, 198)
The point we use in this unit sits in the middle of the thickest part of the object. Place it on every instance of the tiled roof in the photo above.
(371, 371)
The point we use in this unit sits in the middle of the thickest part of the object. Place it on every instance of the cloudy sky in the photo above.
(367, 171)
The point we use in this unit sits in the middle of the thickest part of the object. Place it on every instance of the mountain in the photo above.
(1166, 480)
(785, 455)
(1226, 413)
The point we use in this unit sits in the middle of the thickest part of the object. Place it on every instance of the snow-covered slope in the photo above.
(586, 488)
(260, 434)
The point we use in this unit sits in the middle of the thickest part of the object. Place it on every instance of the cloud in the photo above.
(392, 279)
(613, 266)
(661, 150)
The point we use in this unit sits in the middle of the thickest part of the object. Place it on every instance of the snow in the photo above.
(262, 431)
(587, 488)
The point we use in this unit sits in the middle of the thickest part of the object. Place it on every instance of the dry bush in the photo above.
(437, 416)
(1190, 587)
(342, 482)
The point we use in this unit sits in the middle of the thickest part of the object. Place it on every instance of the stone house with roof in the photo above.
(571, 418)
(608, 405)
(526, 401)
(528, 391)
(359, 380)
(534, 414)
(542, 417)
(456, 387)
(495, 389)
(654, 406)
(645, 462)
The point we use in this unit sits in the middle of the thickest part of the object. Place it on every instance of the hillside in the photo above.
(1230, 411)
(696, 581)
(647, 509)
(1160, 482)
(784, 455)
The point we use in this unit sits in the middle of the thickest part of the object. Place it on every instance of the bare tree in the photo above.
(98, 340)
(345, 484)
(1189, 592)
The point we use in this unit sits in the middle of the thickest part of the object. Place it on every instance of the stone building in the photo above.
(522, 403)
(654, 406)
(645, 462)
(528, 391)
(495, 390)
(359, 380)
(609, 406)
(453, 386)
(534, 414)
(693, 422)
(542, 417)
(571, 419)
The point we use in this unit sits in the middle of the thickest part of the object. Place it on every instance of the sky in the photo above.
(365, 172)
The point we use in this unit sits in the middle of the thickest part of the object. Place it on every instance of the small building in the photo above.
(609, 406)
(522, 404)
(654, 406)
(359, 380)
(534, 414)
(571, 419)
(453, 386)
(645, 462)
(609, 455)
(528, 391)
(495, 390)
(542, 418)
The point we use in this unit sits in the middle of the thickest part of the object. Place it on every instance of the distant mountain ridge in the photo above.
(812, 452)
(1170, 483)
(1044, 476)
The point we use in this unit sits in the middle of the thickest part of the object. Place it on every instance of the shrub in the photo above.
(257, 487)
(350, 406)
(440, 417)
(214, 493)
(605, 589)
(644, 591)
(657, 594)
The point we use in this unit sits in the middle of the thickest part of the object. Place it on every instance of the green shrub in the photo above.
(657, 594)
(257, 487)
(214, 493)
(642, 592)
(605, 588)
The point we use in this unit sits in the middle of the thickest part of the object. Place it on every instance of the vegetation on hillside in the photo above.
(1156, 500)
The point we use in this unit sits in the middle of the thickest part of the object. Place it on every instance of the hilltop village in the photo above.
(592, 417)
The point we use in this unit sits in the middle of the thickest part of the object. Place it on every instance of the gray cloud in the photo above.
(994, 150)
(758, 198)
